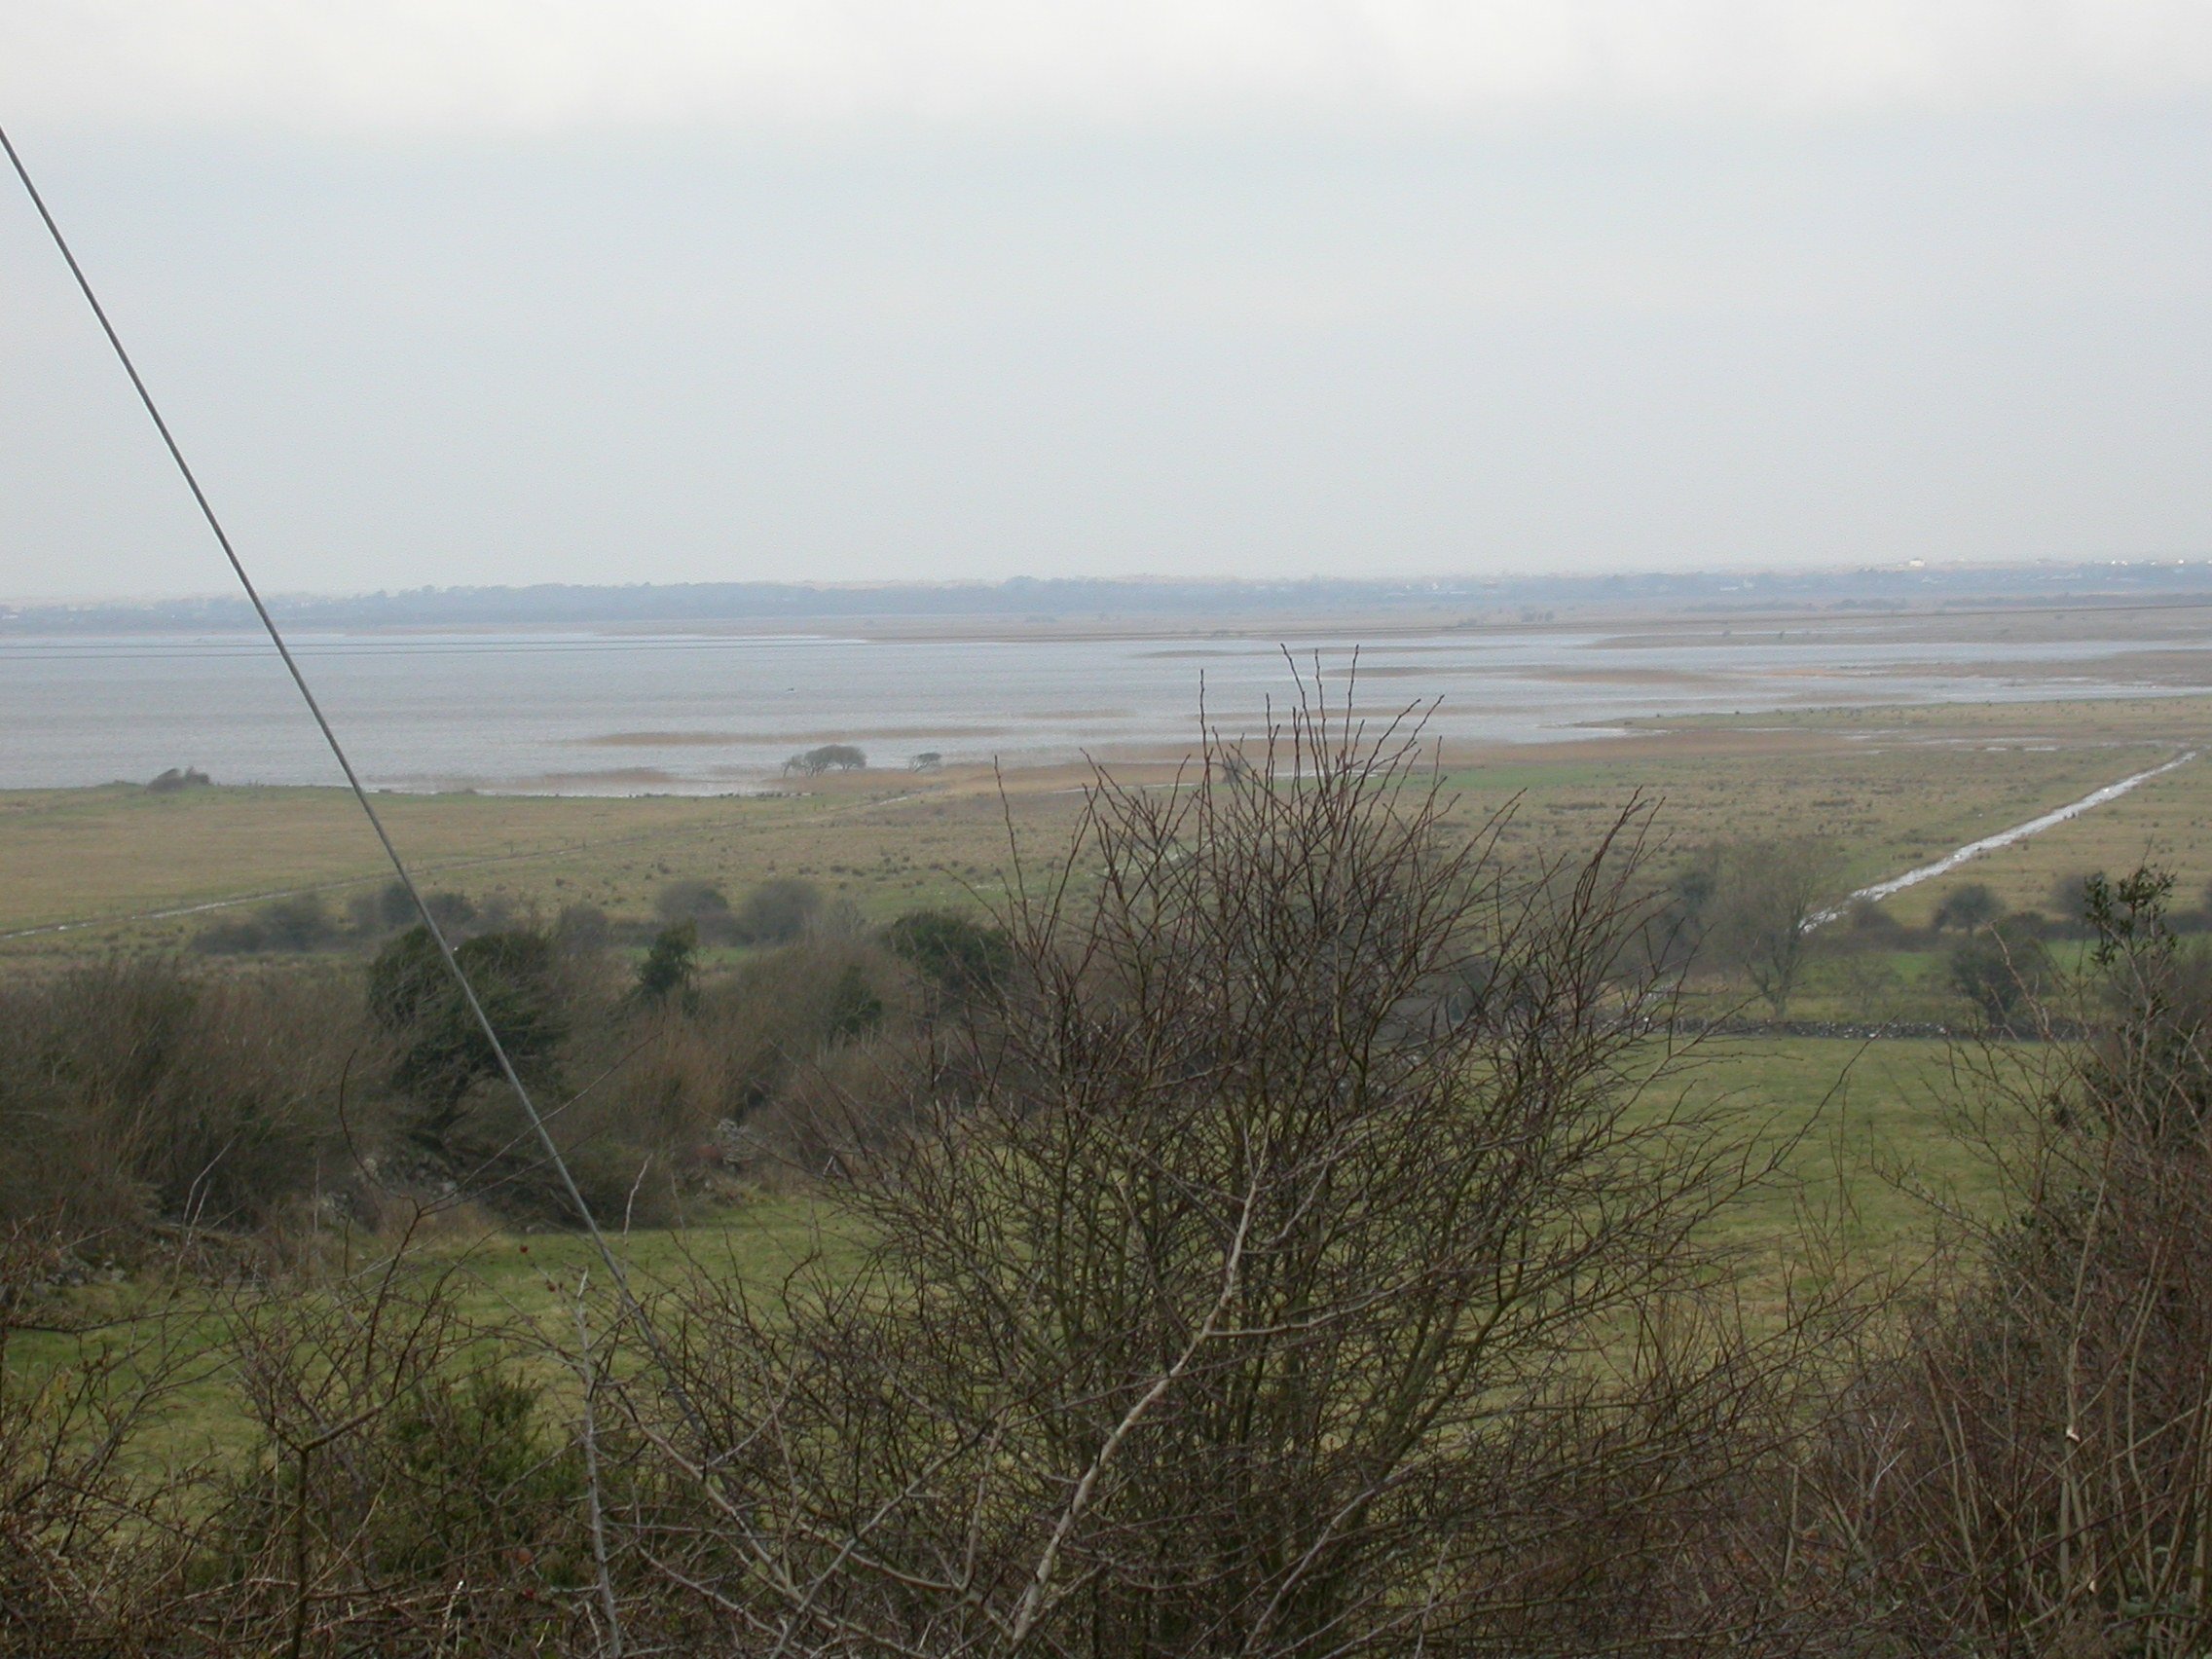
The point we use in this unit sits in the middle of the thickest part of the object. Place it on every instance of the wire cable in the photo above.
(630, 1304)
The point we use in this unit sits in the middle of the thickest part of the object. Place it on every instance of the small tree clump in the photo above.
(295, 924)
(827, 757)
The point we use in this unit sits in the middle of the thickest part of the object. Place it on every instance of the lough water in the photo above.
(676, 713)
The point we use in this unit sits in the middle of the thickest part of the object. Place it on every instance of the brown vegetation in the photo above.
(1284, 1232)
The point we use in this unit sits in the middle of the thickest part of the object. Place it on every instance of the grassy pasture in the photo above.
(1895, 787)
(1945, 776)
(110, 856)
(1865, 1130)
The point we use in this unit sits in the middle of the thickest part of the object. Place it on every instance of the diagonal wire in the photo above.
(537, 1122)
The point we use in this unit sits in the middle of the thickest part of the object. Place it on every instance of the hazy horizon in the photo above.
(487, 295)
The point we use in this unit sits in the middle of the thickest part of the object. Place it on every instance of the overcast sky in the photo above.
(485, 291)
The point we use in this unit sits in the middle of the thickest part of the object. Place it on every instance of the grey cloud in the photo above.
(536, 66)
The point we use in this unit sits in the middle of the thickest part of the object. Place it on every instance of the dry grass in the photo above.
(1896, 787)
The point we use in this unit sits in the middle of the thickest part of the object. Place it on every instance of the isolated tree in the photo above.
(1973, 905)
(582, 930)
(1687, 906)
(2069, 898)
(701, 903)
(1767, 893)
(670, 967)
(389, 908)
(1868, 923)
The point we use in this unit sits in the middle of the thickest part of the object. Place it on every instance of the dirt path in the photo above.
(1951, 861)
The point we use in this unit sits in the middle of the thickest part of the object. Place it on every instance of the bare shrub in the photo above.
(2030, 1471)
(89, 1548)
(836, 1109)
(404, 1494)
(786, 1020)
(1304, 1252)
(1756, 921)
(151, 1091)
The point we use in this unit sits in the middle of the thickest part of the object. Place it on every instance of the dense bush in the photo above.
(955, 954)
(2001, 969)
(777, 911)
(133, 1092)
(299, 923)
(700, 903)
(442, 1050)
(670, 967)
(1969, 905)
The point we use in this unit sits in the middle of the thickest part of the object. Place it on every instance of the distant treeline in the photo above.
(1033, 599)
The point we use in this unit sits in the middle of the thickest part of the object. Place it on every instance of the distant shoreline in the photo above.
(1029, 606)
(712, 709)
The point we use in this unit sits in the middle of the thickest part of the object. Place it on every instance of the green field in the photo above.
(1873, 1157)
(1870, 1164)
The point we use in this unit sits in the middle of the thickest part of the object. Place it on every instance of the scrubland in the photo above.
(1324, 1206)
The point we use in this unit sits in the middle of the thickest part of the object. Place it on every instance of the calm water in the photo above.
(579, 713)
